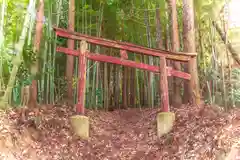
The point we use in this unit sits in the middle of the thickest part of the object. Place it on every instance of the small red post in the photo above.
(123, 54)
(82, 78)
(164, 84)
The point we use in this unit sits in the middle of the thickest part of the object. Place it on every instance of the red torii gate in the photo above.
(124, 47)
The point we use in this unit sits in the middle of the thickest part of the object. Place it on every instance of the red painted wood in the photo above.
(178, 56)
(180, 74)
(123, 43)
(67, 51)
(124, 47)
(102, 58)
(123, 54)
(82, 78)
(128, 63)
(164, 85)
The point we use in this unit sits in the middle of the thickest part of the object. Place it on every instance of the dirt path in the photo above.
(199, 133)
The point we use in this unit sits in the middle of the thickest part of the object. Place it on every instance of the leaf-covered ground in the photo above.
(199, 133)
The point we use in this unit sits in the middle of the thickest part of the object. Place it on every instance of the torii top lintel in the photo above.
(177, 56)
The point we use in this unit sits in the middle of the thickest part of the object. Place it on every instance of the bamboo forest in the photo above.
(119, 79)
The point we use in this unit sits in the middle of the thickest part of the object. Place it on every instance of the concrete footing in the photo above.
(80, 125)
(165, 121)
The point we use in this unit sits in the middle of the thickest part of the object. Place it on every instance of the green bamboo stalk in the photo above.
(59, 13)
(75, 75)
(143, 79)
(78, 29)
(230, 101)
(150, 81)
(111, 82)
(51, 64)
(95, 83)
(88, 61)
(2, 43)
(43, 71)
(133, 77)
(18, 59)
(215, 66)
(49, 55)
(105, 81)
(138, 103)
(117, 86)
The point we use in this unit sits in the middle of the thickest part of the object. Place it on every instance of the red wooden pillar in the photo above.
(82, 78)
(164, 85)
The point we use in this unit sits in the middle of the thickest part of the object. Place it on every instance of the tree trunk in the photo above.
(124, 88)
(159, 44)
(133, 87)
(37, 40)
(111, 84)
(167, 32)
(142, 84)
(105, 83)
(117, 86)
(150, 74)
(167, 46)
(145, 84)
(191, 90)
(70, 58)
(177, 99)
(129, 94)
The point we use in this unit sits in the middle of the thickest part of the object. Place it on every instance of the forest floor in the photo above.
(201, 133)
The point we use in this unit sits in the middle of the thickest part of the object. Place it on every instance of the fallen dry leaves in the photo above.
(201, 133)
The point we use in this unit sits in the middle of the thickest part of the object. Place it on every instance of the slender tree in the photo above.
(37, 40)
(159, 43)
(70, 58)
(177, 99)
(191, 90)
(150, 75)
